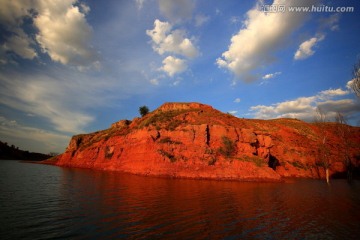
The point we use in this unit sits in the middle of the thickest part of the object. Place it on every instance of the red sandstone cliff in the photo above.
(194, 140)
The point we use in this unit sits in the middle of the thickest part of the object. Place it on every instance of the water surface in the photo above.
(48, 202)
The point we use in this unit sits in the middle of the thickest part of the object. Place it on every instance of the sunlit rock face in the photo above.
(194, 140)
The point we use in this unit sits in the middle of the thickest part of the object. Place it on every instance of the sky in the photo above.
(69, 67)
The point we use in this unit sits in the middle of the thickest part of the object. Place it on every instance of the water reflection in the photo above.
(47, 202)
(113, 205)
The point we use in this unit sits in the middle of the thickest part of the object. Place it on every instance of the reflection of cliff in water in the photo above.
(146, 207)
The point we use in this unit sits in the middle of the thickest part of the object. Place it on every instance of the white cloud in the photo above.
(200, 20)
(261, 35)
(12, 14)
(167, 41)
(64, 32)
(304, 107)
(178, 10)
(233, 112)
(63, 99)
(342, 105)
(330, 93)
(349, 84)
(271, 75)
(237, 100)
(306, 48)
(173, 65)
(20, 44)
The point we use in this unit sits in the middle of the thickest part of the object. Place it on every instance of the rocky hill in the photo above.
(193, 140)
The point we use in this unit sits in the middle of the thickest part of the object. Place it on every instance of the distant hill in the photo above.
(193, 140)
(14, 153)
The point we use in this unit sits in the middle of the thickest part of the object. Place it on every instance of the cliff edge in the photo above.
(194, 140)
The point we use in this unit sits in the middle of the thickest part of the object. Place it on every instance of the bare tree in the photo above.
(356, 78)
(323, 148)
(343, 130)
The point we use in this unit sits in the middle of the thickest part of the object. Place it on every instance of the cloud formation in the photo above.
(37, 139)
(305, 107)
(12, 15)
(62, 103)
(64, 33)
(21, 45)
(260, 37)
(166, 40)
(237, 100)
(306, 48)
(172, 42)
(173, 65)
(62, 30)
(270, 75)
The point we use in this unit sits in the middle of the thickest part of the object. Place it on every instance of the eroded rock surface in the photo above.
(193, 140)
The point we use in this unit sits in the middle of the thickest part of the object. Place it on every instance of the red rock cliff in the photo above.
(193, 140)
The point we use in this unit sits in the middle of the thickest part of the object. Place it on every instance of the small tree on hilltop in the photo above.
(143, 110)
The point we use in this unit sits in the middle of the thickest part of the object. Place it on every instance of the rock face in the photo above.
(193, 140)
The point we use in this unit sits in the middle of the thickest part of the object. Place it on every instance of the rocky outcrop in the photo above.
(193, 140)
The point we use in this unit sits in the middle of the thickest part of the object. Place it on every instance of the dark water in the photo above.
(47, 202)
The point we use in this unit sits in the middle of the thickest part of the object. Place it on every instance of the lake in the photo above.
(48, 202)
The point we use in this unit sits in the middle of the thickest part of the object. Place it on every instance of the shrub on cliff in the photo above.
(228, 147)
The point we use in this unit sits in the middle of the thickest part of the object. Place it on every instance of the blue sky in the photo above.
(70, 67)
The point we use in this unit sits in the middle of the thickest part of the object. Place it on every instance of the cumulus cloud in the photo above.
(271, 75)
(350, 84)
(12, 12)
(166, 40)
(330, 93)
(178, 10)
(304, 107)
(64, 33)
(171, 42)
(62, 30)
(237, 100)
(261, 35)
(306, 48)
(173, 65)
